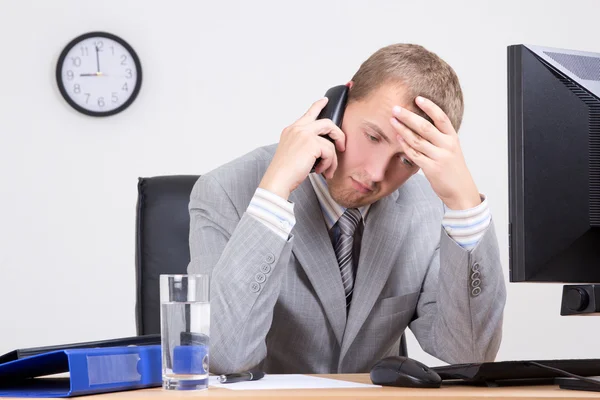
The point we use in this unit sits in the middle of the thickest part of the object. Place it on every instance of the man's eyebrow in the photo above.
(378, 130)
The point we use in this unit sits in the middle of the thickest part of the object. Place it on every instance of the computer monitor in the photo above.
(554, 165)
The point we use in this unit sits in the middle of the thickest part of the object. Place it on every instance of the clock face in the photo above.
(99, 74)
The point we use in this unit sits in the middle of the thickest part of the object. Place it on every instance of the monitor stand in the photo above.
(580, 299)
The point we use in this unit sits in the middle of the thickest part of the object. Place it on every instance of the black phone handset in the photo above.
(334, 110)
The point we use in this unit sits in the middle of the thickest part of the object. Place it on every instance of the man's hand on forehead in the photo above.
(434, 147)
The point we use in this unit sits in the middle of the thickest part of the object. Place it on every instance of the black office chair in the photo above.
(162, 243)
(162, 236)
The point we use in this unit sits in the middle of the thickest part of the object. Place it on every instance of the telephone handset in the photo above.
(334, 110)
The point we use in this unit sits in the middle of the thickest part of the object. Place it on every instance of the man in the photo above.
(323, 275)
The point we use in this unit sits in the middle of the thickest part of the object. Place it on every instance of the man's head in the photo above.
(373, 165)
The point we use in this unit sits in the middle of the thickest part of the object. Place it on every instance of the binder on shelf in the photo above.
(91, 370)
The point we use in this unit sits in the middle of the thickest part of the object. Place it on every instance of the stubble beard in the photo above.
(347, 196)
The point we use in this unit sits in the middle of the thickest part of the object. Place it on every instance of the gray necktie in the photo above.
(343, 249)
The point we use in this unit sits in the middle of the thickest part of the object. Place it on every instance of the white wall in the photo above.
(221, 78)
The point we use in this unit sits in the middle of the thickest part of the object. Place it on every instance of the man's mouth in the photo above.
(361, 187)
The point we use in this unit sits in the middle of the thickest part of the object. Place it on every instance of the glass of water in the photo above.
(185, 330)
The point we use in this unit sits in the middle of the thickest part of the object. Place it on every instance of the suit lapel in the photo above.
(385, 228)
(313, 249)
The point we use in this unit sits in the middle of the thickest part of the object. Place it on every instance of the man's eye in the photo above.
(372, 138)
(406, 161)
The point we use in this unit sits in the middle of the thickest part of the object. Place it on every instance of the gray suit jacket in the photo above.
(281, 303)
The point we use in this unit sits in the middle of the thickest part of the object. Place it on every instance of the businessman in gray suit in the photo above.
(322, 272)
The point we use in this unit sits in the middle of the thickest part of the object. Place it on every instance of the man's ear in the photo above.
(350, 84)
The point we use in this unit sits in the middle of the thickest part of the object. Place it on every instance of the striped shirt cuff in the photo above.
(466, 227)
(273, 211)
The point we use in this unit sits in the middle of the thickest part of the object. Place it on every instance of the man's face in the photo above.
(373, 165)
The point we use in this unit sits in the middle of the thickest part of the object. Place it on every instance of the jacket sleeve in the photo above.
(246, 261)
(460, 308)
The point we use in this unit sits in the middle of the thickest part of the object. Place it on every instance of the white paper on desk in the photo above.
(289, 381)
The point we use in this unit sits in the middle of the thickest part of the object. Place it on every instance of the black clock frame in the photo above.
(60, 82)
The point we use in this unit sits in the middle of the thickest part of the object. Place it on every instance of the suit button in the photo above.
(475, 275)
(260, 277)
(475, 292)
(475, 267)
(265, 268)
(270, 258)
(476, 282)
(254, 287)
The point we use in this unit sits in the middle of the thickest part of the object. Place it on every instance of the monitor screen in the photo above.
(554, 164)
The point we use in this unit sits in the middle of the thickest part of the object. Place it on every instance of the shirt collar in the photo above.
(332, 211)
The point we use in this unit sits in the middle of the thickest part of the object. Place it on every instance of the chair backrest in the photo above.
(162, 241)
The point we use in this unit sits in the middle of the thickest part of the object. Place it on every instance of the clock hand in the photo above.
(94, 74)
(97, 60)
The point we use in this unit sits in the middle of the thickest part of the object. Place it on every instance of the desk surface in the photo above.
(446, 392)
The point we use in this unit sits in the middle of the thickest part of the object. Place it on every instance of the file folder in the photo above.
(91, 370)
(143, 340)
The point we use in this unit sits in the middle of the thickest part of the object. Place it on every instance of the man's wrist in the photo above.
(464, 202)
(274, 187)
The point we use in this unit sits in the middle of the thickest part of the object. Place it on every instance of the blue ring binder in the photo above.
(91, 370)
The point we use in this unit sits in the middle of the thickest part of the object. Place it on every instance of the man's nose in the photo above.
(378, 165)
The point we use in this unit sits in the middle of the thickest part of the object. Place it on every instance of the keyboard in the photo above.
(517, 372)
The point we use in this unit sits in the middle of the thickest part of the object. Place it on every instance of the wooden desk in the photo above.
(446, 392)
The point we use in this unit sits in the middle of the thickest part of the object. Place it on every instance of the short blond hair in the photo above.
(418, 71)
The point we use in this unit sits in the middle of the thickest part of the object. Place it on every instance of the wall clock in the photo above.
(99, 74)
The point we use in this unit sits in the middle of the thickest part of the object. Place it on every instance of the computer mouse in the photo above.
(404, 372)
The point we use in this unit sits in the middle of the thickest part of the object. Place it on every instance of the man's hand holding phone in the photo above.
(300, 145)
